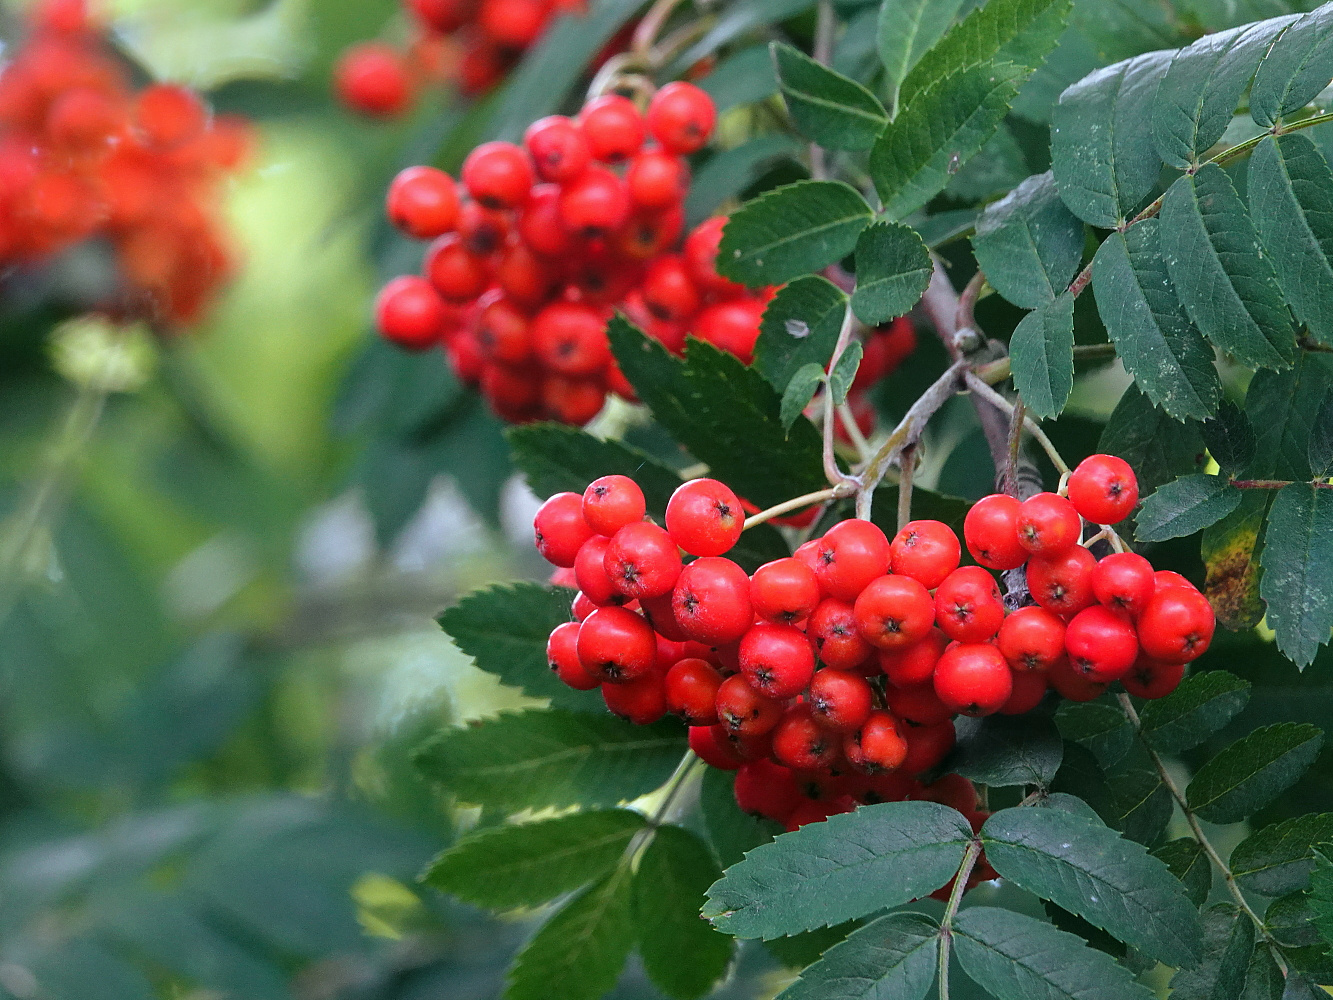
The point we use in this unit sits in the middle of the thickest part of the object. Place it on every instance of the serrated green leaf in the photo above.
(800, 327)
(800, 390)
(669, 884)
(1141, 804)
(1014, 957)
(1003, 750)
(905, 31)
(1282, 407)
(1298, 563)
(1263, 980)
(579, 952)
(1320, 449)
(1290, 191)
(557, 458)
(892, 272)
(1290, 920)
(1199, 707)
(726, 414)
(1189, 863)
(532, 863)
(827, 107)
(553, 758)
(728, 173)
(1228, 943)
(801, 950)
(1041, 352)
(937, 132)
(1296, 68)
(1158, 447)
(790, 231)
(1185, 506)
(942, 228)
(1102, 151)
(1167, 356)
(504, 629)
(1279, 858)
(1229, 438)
(1070, 804)
(1253, 771)
(851, 865)
(731, 832)
(844, 372)
(893, 956)
(1321, 892)
(1220, 273)
(1229, 549)
(1097, 726)
(1090, 870)
(1029, 244)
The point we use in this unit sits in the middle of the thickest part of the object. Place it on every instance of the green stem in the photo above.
(832, 473)
(951, 911)
(819, 496)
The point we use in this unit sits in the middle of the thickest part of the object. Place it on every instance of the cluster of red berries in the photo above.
(833, 676)
(471, 42)
(83, 156)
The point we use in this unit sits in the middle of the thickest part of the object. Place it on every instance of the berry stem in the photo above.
(796, 503)
(951, 911)
(991, 396)
(906, 474)
(835, 475)
(849, 425)
(1016, 419)
(647, 30)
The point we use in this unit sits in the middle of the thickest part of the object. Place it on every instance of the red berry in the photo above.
(952, 790)
(744, 710)
(1151, 679)
(612, 502)
(1101, 644)
(1074, 684)
(799, 742)
(640, 700)
(423, 202)
(918, 706)
(1176, 625)
(572, 400)
(913, 665)
(1063, 583)
(777, 660)
(784, 591)
(667, 290)
(570, 338)
(691, 691)
(372, 78)
(563, 656)
(927, 746)
(968, 607)
(974, 679)
(927, 551)
(1048, 524)
(445, 16)
(613, 127)
(168, 116)
(839, 700)
(539, 224)
(1030, 688)
(513, 24)
(595, 204)
(409, 312)
(832, 626)
(713, 749)
(560, 529)
(704, 517)
(1165, 578)
(894, 612)
(663, 620)
(1031, 639)
(558, 148)
(766, 789)
(991, 532)
(681, 117)
(656, 179)
(452, 271)
(642, 561)
(483, 231)
(1123, 581)
(590, 572)
(498, 175)
(731, 326)
(701, 257)
(817, 812)
(617, 645)
(877, 745)
(1103, 489)
(581, 607)
(712, 601)
(850, 555)
(502, 333)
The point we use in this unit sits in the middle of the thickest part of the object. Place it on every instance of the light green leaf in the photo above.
(1228, 943)
(1029, 244)
(1199, 707)
(844, 372)
(906, 30)
(1185, 506)
(1250, 773)
(892, 272)
(1296, 69)
(827, 107)
(892, 958)
(1298, 563)
(1279, 858)
(1003, 750)
(800, 390)
(800, 327)
(1189, 863)
(1041, 353)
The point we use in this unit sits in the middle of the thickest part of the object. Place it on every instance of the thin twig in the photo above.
(1273, 484)
(826, 26)
(951, 911)
(822, 496)
(647, 30)
(853, 430)
(1016, 418)
(835, 475)
(907, 472)
(993, 397)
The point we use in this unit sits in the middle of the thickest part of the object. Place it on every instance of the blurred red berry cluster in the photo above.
(85, 155)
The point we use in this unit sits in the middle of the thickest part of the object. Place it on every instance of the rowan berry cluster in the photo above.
(833, 676)
(84, 155)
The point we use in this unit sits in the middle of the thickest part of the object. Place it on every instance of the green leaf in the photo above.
(726, 414)
(1290, 191)
(1158, 447)
(579, 952)
(1263, 980)
(800, 390)
(1282, 407)
(1220, 273)
(669, 884)
(937, 132)
(504, 629)
(1199, 707)
(1005, 750)
(1200, 91)
(1320, 449)
(892, 272)
(893, 956)
(1279, 858)
(557, 458)
(553, 758)
(1185, 506)
(728, 173)
(800, 327)
(1302, 987)
(1189, 863)
(1296, 68)
(1298, 562)
(735, 20)
(851, 865)
(531, 863)
(1097, 726)
(1102, 152)
(1321, 893)
(1141, 804)
(906, 30)
(1167, 356)
(1230, 438)
(1014, 957)
(826, 106)
(1029, 244)
(1090, 870)
(844, 372)
(1250, 773)
(1229, 550)
(1042, 355)
(1290, 920)
(744, 77)
(731, 832)
(1228, 943)
(800, 950)
(790, 231)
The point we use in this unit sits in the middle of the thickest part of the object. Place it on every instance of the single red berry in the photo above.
(894, 612)
(991, 532)
(1151, 679)
(513, 24)
(968, 607)
(681, 117)
(704, 517)
(484, 231)
(581, 607)
(168, 116)
(1073, 684)
(777, 660)
(445, 16)
(877, 745)
(784, 591)
(452, 271)
(710, 746)
(611, 503)
(502, 332)
(832, 626)
(973, 678)
(513, 391)
(1048, 524)
(423, 202)
(562, 655)
(656, 179)
(712, 601)
(913, 665)
(642, 561)
(1031, 639)
(613, 127)
(766, 789)
(560, 529)
(839, 700)
(595, 204)
(372, 78)
(660, 615)
(747, 746)
(570, 338)
(558, 148)
(590, 572)
(667, 290)
(1063, 583)
(1101, 644)
(850, 555)
(540, 227)
(1103, 489)
(732, 326)
(524, 277)
(563, 576)
(617, 645)
(799, 742)
(1165, 578)
(640, 700)
(1176, 625)
(571, 400)
(1123, 581)
(741, 709)
(927, 746)
(498, 175)
(410, 313)
(918, 706)
(691, 691)
(1030, 687)
(701, 257)
(927, 551)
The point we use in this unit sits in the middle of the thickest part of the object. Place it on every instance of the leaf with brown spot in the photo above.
(1230, 550)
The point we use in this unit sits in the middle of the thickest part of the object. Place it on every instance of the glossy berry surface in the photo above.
(1104, 489)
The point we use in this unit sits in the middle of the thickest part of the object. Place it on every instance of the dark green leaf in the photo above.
(1014, 957)
(1298, 563)
(1297, 67)
(790, 231)
(1188, 862)
(851, 865)
(906, 30)
(1264, 980)
(1320, 449)
(1302, 987)
(800, 950)
(937, 132)
(531, 863)
(1070, 804)
(1230, 438)
(731, 831)
(893, 956)
(557, 458)
(1278, 859)
(553, 758)
(735, 20)
(669, 884)
(1090, 870)
(1282, 407)
(1029, 244)
(1101, 728)
(1229, 550)
(892, 271)
(1042, 355)
(800, 390)
(1291, 921)
(1220, 273)
(844, 372)
(1159, 448)
(1185, 506)
(1290, 191)
(1321, 893)
(944, 227)
(1199, 707)
(579, 952)
(826, 106)
(800, 327)
(1167, 356)
(1102, 151)
(1005, 750)
(1228, 942)
(1141, 804)
(1253, 771)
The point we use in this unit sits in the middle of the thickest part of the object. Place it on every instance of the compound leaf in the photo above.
(905, 32)
(1253, 771)
(1042, 355)
(1296, 68)
(827, 107)
(1185, 506)
(1278, 859)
